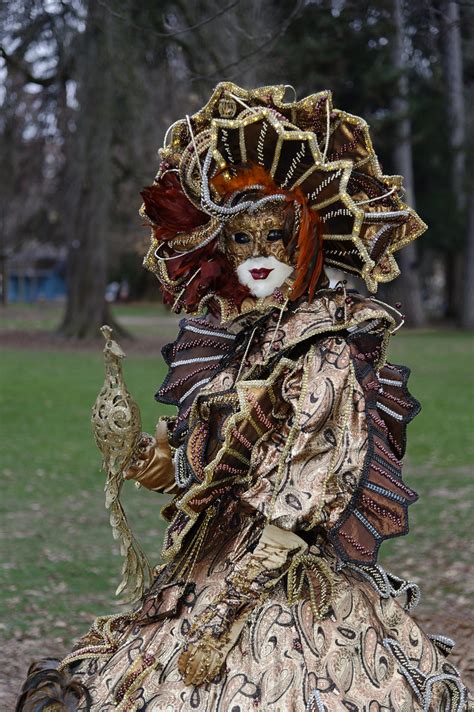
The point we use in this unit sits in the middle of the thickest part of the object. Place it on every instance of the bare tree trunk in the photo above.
(459, 269)
(408, 286)
(467, 315)
(89, 179)
(455, 98)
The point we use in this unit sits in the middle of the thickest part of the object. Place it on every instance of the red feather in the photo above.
(216, 275)
(168, 207)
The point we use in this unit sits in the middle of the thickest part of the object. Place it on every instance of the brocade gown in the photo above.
(291, 418)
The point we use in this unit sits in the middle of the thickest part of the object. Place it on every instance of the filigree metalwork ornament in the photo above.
(116, 425)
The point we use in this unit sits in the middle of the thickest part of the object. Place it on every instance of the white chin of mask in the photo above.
(263, 287)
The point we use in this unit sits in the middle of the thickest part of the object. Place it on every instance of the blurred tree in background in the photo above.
(88, 88)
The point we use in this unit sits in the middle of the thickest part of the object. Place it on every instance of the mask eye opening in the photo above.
(275, 234)
(241, 238)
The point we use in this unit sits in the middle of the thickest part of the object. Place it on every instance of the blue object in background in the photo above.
(37, 285)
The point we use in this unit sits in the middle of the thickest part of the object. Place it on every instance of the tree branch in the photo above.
(267, 45)
(182, 31)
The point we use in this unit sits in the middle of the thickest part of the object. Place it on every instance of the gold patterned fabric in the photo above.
(284, 660)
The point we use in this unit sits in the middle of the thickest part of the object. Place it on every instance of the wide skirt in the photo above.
(366, 655)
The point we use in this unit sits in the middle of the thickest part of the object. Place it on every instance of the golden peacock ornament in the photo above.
(116, 424)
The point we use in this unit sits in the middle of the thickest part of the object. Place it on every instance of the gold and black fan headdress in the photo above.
(306, 148)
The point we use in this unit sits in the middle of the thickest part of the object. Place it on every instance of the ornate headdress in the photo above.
(245, 149)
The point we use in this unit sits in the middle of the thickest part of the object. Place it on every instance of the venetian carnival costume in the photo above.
(284, 457)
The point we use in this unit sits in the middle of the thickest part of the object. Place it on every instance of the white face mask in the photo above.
(262, 275)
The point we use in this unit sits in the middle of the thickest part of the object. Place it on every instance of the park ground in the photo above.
(59, 565)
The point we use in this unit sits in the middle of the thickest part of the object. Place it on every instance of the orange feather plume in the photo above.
(246, 176)
(309, 254)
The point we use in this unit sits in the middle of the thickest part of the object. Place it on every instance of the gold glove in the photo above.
(215, 631)
(153, 465)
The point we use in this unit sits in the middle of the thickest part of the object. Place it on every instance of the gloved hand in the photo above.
(152, 465)
(216, 629)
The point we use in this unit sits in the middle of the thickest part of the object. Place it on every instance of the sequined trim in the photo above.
(387, 584)
(378, 508)
(422, 685)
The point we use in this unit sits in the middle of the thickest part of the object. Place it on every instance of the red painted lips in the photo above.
(260, 273)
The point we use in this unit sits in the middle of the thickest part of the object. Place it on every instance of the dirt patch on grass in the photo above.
(446, 580)
(48, 341)
(16, 656)
(459, 626)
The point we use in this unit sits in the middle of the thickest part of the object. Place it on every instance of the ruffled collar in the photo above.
(230, 316)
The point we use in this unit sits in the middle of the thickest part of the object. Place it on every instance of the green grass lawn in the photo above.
(59, 564)
(441, 364)
(58, 556)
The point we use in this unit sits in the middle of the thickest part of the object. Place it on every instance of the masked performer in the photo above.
(284, 457)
